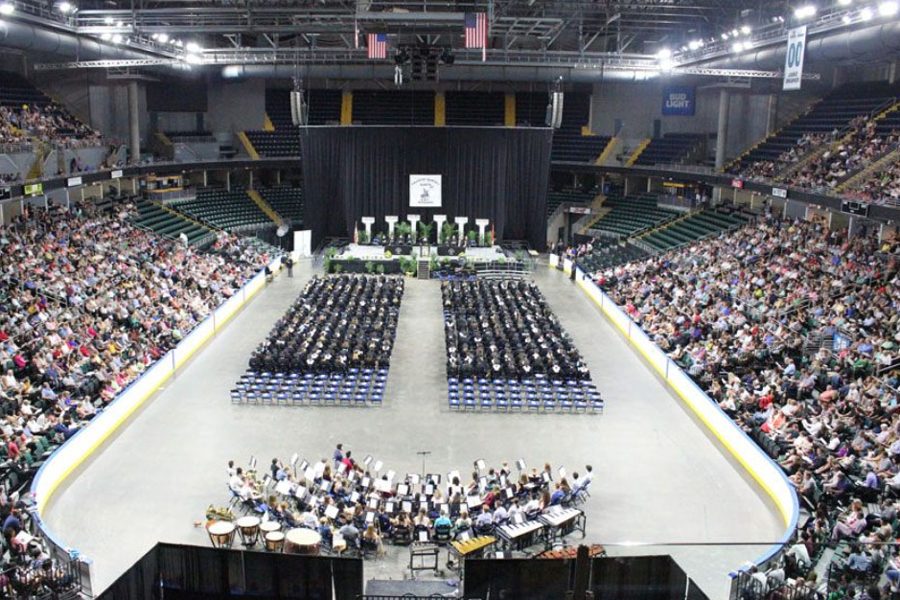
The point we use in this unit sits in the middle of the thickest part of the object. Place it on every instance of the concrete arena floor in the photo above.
(658, 478)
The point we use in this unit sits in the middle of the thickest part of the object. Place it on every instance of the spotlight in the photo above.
(745, 29)
(866, 14)
(737, 47)
(734, 32)
(106, 36)
(846, 19)
(192, 59)
(724, 36)
(887, 9)
(693, 44)
(7, 8)
(117, 39)
(805, 11)
(163, 38)
(664, 54)
(154, 37)
(107, 20)
(65, 7)
(845, 2)
(193, 47)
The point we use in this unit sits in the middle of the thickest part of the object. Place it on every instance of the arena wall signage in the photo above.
(737, 184)
(425, 191)
(779, 192)
(33, 189)
(5, 193)
(115, 174)
(793, 59)
(678, 101)
(855, 208)
(73, 181)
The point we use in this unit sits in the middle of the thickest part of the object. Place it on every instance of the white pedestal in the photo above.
(482, 225)
(439, 221)
(391, 220)
(414, 223)
(461, 224)
(367, 222)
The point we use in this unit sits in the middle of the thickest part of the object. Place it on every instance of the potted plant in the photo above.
(362, 237)
(447, 231)
(370, 267)
(473, 237)
(425, 231)
(486, 240)
(380, 269)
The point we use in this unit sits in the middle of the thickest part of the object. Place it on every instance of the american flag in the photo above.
(377, 43)
(476, 31)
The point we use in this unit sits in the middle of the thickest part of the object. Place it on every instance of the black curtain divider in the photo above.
(499, 174)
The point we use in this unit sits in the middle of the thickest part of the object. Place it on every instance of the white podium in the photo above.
(391, 220)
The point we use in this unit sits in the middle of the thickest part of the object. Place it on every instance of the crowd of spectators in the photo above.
(504, 329)
(864, 144)
(337, 323)
(47, 123)
(355, 504)
(769, 169)
(88, 303)
(881, 187)
(737, 313)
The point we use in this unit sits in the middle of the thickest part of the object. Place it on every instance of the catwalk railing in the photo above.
(68, 457)
(764, 471)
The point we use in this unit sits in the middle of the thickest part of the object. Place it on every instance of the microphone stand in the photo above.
(423, 454)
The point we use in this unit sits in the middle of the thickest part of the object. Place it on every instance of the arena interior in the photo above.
(358, 300)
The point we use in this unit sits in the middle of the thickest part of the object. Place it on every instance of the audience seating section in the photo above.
(166, 223)
(231, 211)
(631, 215)
(574, 196)
(834, 112)
(483, 109)
(671, 148)
(377, 107)
(286, 200)
(694, 227)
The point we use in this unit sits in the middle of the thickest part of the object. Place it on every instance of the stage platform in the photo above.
(371, 252)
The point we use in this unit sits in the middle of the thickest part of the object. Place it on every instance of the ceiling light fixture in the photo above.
(887, 9)
(745, 29)
(805, 11)
(866, 14)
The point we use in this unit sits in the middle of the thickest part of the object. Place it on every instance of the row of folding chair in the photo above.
(373, 398)
(591, 403)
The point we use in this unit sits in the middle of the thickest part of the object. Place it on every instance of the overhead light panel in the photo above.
(106, 36)
(845, 2)
(745, 29)
(804, 12)
(65, 7)
(737, 47)
(117, 39)
(887, 9)
(724, 36)
(193, 47)
(866, 14)
(695, 44)
(107, 20)
(162, 38)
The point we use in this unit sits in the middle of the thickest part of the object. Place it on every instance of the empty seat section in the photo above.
(486, 109)
(231, 211)
(671, 148)
(406, 107)
(287, 200)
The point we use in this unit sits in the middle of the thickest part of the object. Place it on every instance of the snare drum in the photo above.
(274, 541)
(302, 541)
(221, 534)
(248, 527)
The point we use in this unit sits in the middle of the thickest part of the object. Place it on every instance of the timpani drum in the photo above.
(302, 541)
(221, 533)
(274, 541)
(268, 527)
(248, 527)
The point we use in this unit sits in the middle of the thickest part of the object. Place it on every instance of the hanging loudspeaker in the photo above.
(298, 109)
(557, 101)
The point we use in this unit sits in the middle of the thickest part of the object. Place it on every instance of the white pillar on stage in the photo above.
(391, 220)
(439, 221)
(482, 225)
(367, 221)
(461, 223)
(414, 223)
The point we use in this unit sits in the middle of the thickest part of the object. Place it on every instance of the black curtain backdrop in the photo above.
(487, 173)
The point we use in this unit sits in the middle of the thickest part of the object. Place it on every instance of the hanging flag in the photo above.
(377, 43)
(476, 32)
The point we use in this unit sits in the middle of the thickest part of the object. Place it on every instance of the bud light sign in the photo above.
(678, 101)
